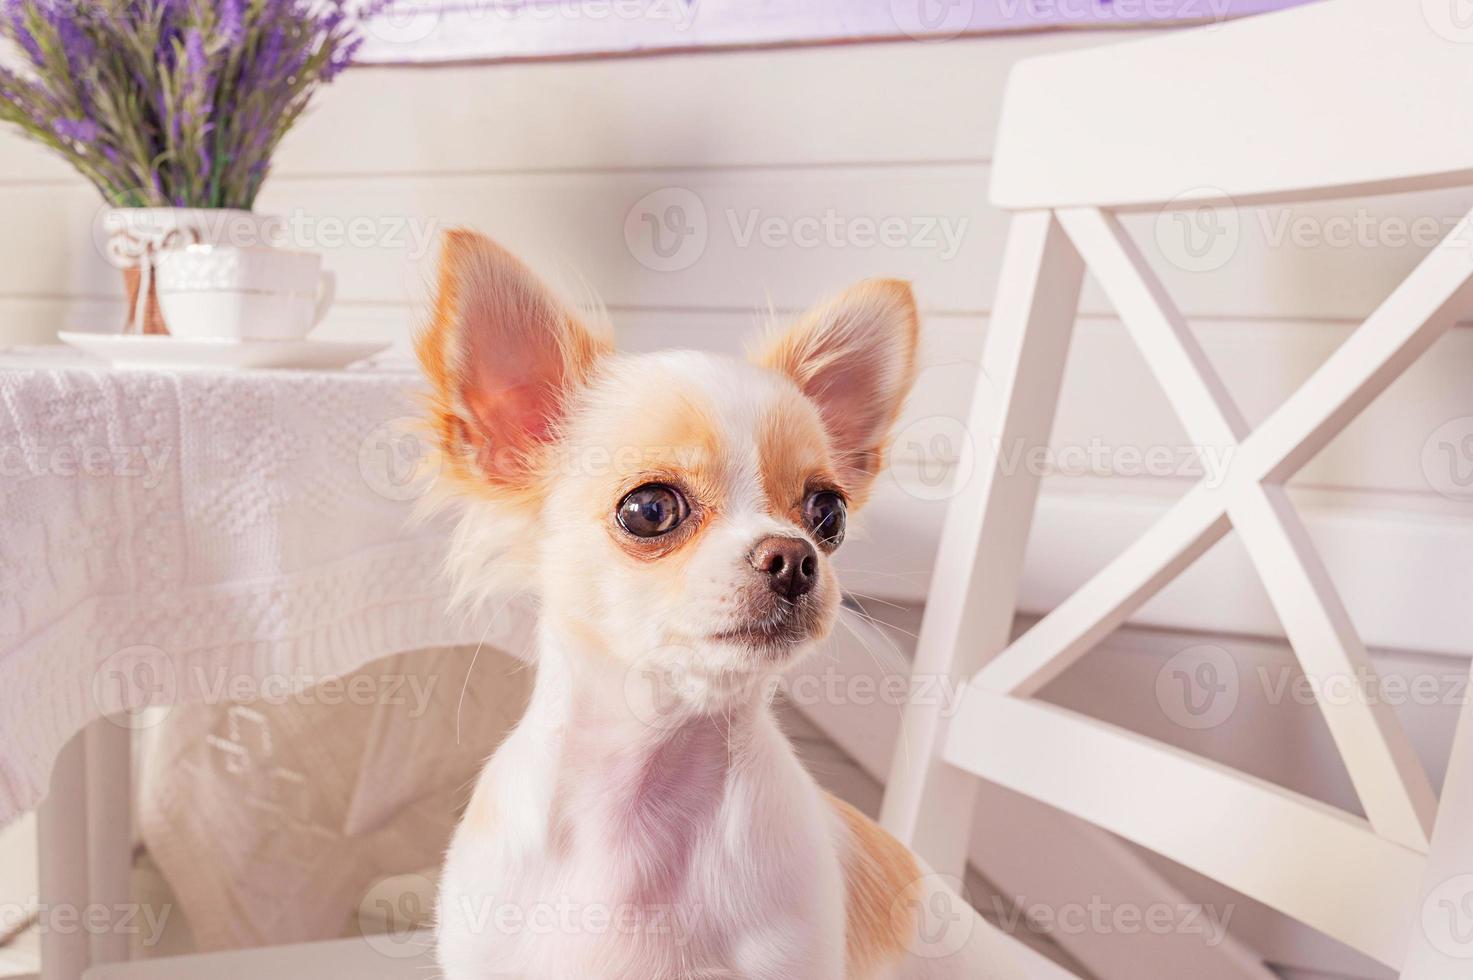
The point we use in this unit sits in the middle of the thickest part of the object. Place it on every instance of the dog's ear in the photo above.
(855, 357)
(503, 355)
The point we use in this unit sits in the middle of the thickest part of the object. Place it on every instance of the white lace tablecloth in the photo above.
(163, 532)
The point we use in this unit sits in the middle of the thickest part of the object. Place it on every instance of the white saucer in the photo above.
(153, 350)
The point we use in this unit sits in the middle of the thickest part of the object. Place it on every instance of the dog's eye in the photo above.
(652, 510)
(826, 515)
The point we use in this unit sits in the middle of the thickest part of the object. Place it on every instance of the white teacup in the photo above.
(237, 293)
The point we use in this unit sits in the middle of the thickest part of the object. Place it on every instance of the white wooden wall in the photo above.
(553, 159)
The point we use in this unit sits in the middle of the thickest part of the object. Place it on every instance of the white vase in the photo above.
(131, 238)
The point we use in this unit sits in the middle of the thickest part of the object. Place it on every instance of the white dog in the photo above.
(675, 513)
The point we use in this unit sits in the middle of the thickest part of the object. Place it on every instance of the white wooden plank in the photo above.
(778, 235)
(650, 113)
(358, 958)
(1292, 852)
(1097, 433)
(1274, 732)
(1392, 448)
(1401, 329)
(1194, 524)
(1264, 82)
(1034, 854)
(1392, 786)
(979, 562)
(428, 31)
(1440, 947)
(1177, 360)
(1390, 780)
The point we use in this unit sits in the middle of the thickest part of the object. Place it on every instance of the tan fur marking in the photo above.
(792, 453)
(670, 435)
(855, 357)
(481, 811)
(882, 887)
(478, 279)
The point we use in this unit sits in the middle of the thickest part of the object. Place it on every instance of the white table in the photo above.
(160, 528)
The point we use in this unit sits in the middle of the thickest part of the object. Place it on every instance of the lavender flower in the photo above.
(77, 130)
(230, 26)
(181, 102)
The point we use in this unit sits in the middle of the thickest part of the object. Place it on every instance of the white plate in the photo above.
(152, 350)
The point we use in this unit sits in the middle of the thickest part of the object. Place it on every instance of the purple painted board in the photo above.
(416, 31)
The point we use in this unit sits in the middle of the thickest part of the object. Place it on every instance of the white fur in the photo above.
(647, 820)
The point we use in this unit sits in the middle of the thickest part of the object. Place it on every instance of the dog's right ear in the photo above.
(503, 355)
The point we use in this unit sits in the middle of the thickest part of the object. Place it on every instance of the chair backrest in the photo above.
(1331, 99)
(1338, 98)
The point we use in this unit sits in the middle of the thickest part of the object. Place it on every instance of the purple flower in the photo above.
(77, 130)
(78, 47)
(270, 52)
(16, 14)
(230, 24)
(204, 88)
(342, 59)
(194, 53)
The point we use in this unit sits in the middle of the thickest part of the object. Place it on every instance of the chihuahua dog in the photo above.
(675, 514)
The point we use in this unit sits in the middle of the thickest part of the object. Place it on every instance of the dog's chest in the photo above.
(671, 863)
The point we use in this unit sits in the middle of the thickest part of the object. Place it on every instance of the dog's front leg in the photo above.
(782, 953)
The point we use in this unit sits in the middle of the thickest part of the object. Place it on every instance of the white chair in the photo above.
(1342, 98)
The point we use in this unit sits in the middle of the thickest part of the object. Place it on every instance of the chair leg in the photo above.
(61, 842)
(84, 840)
(974, 587)
(110, 836)
(1440, 945)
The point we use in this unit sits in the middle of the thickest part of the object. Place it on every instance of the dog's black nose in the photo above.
(791, 564)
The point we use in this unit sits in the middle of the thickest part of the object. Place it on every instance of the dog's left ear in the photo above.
(855, 357)
(504, 357)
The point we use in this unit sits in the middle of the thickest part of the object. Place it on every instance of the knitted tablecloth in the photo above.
(166, 532)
